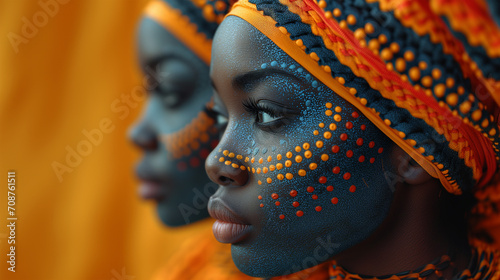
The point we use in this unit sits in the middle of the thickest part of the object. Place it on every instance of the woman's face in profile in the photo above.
(301, 169)
(175, 134)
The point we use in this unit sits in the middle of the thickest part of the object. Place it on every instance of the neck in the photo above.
(417, 231)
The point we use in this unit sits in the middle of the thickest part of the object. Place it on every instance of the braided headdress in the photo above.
(426, 73)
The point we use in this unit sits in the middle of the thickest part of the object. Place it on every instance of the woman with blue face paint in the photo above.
(177, 132)
(361, 135)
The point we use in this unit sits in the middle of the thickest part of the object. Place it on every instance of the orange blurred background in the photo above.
(63, 63)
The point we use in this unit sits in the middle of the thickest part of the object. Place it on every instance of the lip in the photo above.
(229, 227)
(151, 190)
(149, 187)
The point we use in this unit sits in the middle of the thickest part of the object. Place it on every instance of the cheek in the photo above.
(327, 169)
(190, 146)
(333, 165)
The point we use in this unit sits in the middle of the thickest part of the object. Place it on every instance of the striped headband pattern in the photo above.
(425, 72)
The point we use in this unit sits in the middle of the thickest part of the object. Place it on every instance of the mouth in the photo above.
(228, 227)
(151, 190)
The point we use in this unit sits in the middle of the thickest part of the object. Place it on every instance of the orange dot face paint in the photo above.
(174, 132)
(316, 141)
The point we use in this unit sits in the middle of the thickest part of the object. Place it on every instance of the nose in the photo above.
(228, 172)
(144, 136)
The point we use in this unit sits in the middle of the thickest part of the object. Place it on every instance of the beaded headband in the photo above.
(193, 22)
(404, 68)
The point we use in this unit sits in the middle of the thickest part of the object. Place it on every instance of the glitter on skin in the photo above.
(357, 210)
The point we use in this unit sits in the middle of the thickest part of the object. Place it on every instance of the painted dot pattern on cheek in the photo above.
(192, 145)
(340, 138)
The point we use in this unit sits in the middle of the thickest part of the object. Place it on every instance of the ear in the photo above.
(409, 170)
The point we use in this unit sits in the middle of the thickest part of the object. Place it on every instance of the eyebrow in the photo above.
(246, 82)
(164, 56)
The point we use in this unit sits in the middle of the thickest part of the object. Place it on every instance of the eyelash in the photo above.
(255, 108)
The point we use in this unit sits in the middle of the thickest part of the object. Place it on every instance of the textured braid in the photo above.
(488, 65)
(413, 128)
(195, 15)
(423, 21)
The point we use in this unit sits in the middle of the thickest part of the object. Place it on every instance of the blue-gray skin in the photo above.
(288, 106)
(179, 90)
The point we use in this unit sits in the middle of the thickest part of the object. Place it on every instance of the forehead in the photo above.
(240, 47)
(155, 41)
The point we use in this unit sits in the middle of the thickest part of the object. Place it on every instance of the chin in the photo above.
(172, 215)
(262, 264)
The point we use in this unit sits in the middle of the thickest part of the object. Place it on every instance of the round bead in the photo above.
(427, 81)
(409, 56)
(351, 20)
(386, 54)
(440, 90)
(465, 107)
(394, 47)
(414, 73)
(476, 115)
(452, 99)
(436, 73)
(400, 64)
(369, 28)
(374, 45)
(382, 39)
(337, 12)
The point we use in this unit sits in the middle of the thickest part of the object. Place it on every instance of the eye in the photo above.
(264, 118)
(221, 120)
(269, 115)
(173, 80)
(171, 99)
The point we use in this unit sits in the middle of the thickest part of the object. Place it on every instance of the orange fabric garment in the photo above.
(63, 79)
(201, 257)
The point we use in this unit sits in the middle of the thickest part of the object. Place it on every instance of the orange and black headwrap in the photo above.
(426, 72)
(193, 22)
